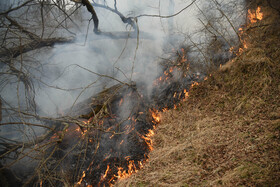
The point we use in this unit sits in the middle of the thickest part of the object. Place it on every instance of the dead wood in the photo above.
(17, 51)
(93, 13)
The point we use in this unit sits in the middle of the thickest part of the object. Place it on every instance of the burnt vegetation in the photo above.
(108, 136)
(227, 132)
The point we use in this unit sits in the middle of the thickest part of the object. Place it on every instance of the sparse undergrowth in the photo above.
(228, 131)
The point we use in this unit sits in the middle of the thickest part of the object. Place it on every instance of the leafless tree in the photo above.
(29, 136)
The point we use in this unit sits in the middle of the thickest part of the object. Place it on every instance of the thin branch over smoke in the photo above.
(128, 20)
(92, 11)
(37, 44)
(168, 16)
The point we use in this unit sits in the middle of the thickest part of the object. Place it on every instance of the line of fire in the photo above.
(109, 136)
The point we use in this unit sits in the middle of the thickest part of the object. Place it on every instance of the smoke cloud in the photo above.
(66, 74)
(121, 56)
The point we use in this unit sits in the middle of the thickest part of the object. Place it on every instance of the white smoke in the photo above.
(116, 57)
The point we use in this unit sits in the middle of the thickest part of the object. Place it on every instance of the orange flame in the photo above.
(244, 44)
(186, 95)
(105, 174)
(259, 14)
(171, 70)
(194, 84)
(83, 176)
(255, 16)
(155, 116)
(82, 132)
(164, 109)
(122, 173)
(148, 139)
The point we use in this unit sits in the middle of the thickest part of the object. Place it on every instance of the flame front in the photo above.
(148, 139)
(155, 116)
(255, 15)
(105, 174)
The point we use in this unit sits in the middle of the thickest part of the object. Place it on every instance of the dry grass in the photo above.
(228, 132)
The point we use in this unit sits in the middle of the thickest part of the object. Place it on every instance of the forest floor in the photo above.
(227, 133)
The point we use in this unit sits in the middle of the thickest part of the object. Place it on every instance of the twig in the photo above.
(168, 16)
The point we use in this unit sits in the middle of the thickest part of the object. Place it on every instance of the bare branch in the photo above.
(128, 20)
(93, 13)
(16, 51)
(169, 16)
(16, 8)
(22, 29)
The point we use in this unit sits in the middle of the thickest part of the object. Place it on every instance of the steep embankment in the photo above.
(228, 131)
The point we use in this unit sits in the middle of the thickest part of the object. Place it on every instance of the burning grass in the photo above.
(108, 137)
(228, 131)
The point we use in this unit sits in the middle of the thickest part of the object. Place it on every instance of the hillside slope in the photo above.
(228, 131)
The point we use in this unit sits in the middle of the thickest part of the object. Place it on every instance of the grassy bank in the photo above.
(228, 131)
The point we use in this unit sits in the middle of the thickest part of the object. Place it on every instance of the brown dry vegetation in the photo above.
(228, 131)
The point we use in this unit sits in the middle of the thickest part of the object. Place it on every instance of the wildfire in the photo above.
(164, 109)
(82, 132)
(194, 84)
(255, 15)
(148, 139)
(155, 116)
(186, 94)
(132, 168)
(83, 176)
(124, 167)
(167, 74)
(171, 70)
(105, 174)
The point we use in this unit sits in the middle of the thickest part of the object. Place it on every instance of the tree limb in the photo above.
(169, 16)
(16, 24)
(93, 13)
(16, 51)
(124, 19)
(16, 8)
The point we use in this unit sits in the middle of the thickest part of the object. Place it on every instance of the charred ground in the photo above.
(227, 132)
